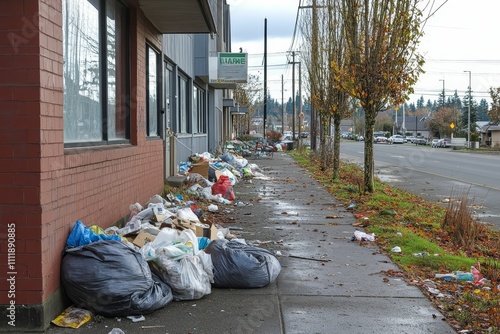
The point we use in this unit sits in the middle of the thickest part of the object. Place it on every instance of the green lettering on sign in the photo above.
(233, 61)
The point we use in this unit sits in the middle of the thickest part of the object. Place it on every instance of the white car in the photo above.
(396, 139)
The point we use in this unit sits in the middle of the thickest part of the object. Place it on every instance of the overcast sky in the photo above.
(461, 36)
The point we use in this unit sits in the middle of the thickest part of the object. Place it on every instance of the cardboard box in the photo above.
(212, 230)
(142, 238)
(203, 229)
(201, 168)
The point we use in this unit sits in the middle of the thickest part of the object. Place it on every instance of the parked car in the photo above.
(304, 134)
(410, 139)
(396, 139)
(420, 140)
(380, 139)
(360, 138)
(434, 142)
(444, 142)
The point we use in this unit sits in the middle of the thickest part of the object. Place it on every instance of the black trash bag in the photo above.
(237, 265)
(111, 279)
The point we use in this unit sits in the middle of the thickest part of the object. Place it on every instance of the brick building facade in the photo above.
(52, 174)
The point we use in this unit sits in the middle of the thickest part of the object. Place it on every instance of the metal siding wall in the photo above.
(180, 49)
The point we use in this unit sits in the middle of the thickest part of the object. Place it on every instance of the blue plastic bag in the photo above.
(81, 235)
(203, 242)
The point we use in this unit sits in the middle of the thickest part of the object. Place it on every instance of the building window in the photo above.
(183, 119)
(168, 86)
(95, 72)
(153, 92)
(199, 110)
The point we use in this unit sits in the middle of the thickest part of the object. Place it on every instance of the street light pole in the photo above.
(468, 113)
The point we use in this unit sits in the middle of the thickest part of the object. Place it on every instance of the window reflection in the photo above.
(152, 88)
(116, 51)
(95, 107)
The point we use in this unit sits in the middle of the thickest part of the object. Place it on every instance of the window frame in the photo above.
(150, 47)
(199, 110)
(104, 67)
(183, 105)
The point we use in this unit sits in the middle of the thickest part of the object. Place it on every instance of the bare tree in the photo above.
(324, 43)
(383, 65)
(249, 95)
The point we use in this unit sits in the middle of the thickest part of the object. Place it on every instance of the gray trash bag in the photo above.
(237, 265)
(111, 279)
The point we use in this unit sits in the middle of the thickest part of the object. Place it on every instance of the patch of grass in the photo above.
(433, 240)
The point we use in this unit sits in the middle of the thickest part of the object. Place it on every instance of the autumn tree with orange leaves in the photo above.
(382, 60)
(442, 119)
(494, 112)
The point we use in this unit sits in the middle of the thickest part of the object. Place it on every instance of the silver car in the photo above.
(396, 139)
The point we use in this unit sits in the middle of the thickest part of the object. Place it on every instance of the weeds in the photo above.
(458, 221)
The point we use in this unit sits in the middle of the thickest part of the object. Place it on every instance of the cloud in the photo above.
(247, 19)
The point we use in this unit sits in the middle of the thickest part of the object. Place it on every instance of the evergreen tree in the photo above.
(464, 119)
(429, 104)
(482, 111)
(441, 100)
(455, 101)
(412, 107)
(420, 102)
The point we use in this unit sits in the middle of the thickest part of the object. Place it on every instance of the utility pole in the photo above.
(301, 115)
(395, 131)
(265, 79)
(444, 96)
(282, 106)
(314, 58)
(468, 113)
(293, 96)
(403, 124)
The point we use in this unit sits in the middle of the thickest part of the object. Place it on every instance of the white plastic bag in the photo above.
(188, 238)
(174, 252)
(187, 214)
(186, 277)
(208, 266)
(165, 237)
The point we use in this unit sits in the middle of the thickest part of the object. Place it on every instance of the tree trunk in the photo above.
(323, 146)
(369, 182)
(336, 146)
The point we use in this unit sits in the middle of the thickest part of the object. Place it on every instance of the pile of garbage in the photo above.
(213, 178)
(168, 250)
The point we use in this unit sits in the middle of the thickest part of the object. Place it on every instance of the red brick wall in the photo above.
(20, 149)
(45, 188)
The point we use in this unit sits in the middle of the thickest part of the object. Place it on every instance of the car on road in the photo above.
(444, 142)
(396, 139)
(420, 140)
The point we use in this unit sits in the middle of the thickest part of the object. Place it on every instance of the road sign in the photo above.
(452, 125)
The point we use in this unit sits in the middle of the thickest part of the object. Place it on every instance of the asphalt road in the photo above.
(438, 174)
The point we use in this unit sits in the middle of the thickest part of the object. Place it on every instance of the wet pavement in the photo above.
(328, 283)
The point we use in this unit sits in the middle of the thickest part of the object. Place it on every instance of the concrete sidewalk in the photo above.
(292, 214)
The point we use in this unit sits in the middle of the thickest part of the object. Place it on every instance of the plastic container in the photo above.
(464, 277)
(446, 277)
